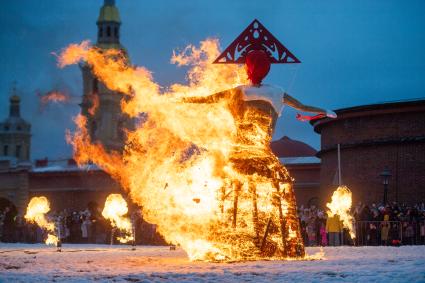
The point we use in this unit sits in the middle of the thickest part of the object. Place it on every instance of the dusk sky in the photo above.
(352, 52)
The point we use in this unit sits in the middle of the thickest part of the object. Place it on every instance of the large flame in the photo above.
(36, 210)
(115, 210)
(176, 163)
(54, 96)
(340, 205)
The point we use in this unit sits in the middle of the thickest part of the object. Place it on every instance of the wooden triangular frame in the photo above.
(256, 37)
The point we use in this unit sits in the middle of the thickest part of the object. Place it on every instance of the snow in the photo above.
(65, 168)
(300, 160)
(102, 263)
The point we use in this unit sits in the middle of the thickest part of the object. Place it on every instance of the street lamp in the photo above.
(386, 174)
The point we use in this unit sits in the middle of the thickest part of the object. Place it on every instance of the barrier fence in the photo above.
(377, 233)
(373, 233)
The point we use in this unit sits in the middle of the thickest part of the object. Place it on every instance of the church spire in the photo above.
(106, 122)
(108, 24)
(14, 110)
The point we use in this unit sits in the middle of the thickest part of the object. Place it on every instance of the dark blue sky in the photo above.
(352, 52)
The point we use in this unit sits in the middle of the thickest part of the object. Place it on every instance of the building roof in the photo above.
(14, 123)
(71, 168)
(61, 165)
(287, 147)
(389, 107)
(11, 163)
(384, 105)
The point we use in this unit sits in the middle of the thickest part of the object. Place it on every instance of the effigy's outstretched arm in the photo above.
(207, 99)
(294, 103)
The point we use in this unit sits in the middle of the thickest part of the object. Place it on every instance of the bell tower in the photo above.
(15, 132)
(108, 26)
(100, 105)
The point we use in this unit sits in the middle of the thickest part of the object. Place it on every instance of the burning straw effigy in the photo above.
(258, 205)
(200, 165)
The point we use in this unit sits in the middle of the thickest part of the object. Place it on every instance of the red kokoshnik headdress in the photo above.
(257, 48)
(256, 37)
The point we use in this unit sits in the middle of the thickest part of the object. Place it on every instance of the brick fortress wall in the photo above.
(374, 137)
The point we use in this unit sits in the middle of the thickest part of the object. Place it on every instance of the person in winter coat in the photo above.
(385, 229)
(409, 233)
(373, 235)
(311, 232)
(334, 229)
(323, 236)
(85, 229)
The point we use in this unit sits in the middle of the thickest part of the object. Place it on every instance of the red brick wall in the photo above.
(358, 129)
(73, 200)
(72, 190)
(369, 143)
(306, 186)
(361, 168)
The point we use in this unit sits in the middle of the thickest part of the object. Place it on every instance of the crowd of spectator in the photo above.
(391, 224)
(85, 226)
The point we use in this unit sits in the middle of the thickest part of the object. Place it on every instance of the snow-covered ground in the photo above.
(80, 263)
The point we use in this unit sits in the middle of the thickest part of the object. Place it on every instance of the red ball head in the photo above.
(257, 65)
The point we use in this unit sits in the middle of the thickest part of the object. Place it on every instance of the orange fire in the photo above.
(54, 96)
(36, 210)
(176, 164)
(115, 210)
(340, 205)
(94, 98)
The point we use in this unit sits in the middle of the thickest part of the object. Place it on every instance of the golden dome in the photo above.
(15, 98)
(109, 13)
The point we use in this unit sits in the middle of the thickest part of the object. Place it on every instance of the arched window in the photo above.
(108, 31)
(6, 150)
(100, 31)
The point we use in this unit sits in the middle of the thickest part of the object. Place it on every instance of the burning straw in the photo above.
(176, 165)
